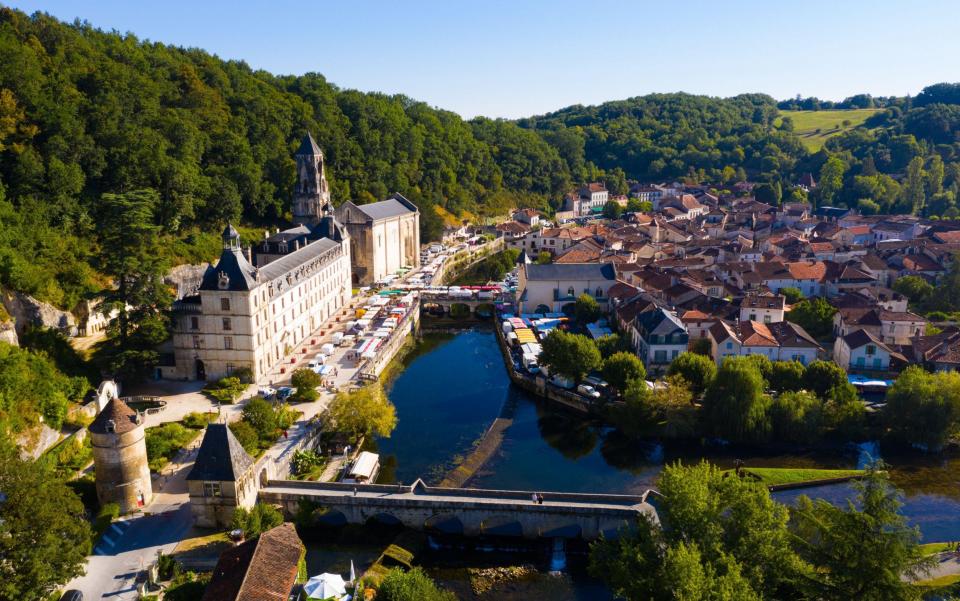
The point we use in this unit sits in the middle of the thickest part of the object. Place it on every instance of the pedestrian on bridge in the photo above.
(534, 497)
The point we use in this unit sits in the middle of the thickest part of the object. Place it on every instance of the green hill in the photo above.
(814, 127)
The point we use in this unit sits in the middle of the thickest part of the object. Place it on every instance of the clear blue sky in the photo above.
(517, 58)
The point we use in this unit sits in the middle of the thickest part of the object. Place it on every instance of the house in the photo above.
(685, 206)
(587, 199)
(891, 327)
(530, 217)
(262, 569)
(805, 276)
(221, 480)
(780, 341)
(659, 337)
(514, 234)
(698, 323)
(548, 288)
(938, 352)
(765, 308)
(862, 351)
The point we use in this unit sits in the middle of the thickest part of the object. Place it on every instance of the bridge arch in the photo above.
(561, 530)
(460, 310)
(568, 309)
(332, 518)
(446, 523)
(502, 526)
(542, 309)
(435, 309)
(384, 519)
(484, 310)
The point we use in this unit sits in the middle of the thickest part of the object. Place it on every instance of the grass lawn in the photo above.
(829, 123)
(931, 548)
(773, 475)
(941, 582)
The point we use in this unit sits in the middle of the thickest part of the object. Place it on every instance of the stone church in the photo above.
(384, 237)
(256, 304)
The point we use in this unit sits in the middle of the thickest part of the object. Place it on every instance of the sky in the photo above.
(520, 58)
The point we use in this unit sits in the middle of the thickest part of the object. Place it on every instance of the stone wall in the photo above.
(121, 469)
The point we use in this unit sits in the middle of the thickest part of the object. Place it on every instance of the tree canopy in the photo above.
(571, 355)
(366, 411)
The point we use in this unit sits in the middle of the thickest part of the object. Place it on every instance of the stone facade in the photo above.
(385, 236)
(311, 193)
(254, 306)
(120, 457)
(221, 480)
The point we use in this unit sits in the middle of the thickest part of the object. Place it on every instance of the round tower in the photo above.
(120, 457)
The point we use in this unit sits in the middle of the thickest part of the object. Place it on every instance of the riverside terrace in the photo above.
(465, 511)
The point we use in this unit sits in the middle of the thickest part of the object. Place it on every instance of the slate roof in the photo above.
(394, 206)
(570, 271)
(764, 301)
(308, 146)
(221, 458)
(287, 263)
(124, 418)
(240, 272)
(262, 569)
(859, 338)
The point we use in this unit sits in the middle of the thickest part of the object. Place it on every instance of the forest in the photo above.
(86, 113)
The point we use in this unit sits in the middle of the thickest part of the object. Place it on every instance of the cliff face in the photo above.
(26, 310)
(185, 278)
(8, 333)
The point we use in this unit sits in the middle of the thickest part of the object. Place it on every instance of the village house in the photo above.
(862, 351)
(548, 288)
(891, 327)
(264, 568)
(764, 308)
(659, 337)
(780, 341)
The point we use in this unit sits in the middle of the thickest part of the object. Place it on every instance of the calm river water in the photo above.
(454, 386)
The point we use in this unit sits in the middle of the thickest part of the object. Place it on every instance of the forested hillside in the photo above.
(84, 113)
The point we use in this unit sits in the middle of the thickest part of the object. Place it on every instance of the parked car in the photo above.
(316, 363)
(562, 382)
(267, 392)
(588, 391)
(284, 393)
(72, 595)
(596, 382)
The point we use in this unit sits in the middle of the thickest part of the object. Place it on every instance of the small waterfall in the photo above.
(868, 453)
(558, 557)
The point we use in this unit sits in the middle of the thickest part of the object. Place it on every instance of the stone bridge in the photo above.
(464, 511)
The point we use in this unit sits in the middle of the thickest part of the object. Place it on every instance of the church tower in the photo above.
(311, 193)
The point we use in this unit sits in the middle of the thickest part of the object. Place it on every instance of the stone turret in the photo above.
(120, 457)
(311, 193)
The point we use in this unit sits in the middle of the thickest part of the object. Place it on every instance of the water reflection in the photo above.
(573, 436)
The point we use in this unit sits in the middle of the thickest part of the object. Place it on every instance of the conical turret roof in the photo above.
(308, 146)
(221, 457)
(117, 417)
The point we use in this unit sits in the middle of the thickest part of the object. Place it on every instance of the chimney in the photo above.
(266, 234)
(250, 255)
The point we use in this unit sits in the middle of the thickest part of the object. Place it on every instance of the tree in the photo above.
(946, 295)
(813, 315)
(412, 585)
(768, 193)
(131, 256)
(609, 344)
(671, 404)
(44, 536)
(793, 295)
(698, 370)
(796, 416)
(246, 436)
(544, 258)
(786, 376)
(702, 346)
(256, 521)
(586, 309)
(934, 176)
(721, 538)
(306, 382)
(635, 205)
(620, 369)
(612, 210)
(571, 355)
(831, 179)
(917, 290)
(913, 186)
(864, 550)
(823, 376)
(735, 406)
(366, 412)
(924, 408)
(260, 414)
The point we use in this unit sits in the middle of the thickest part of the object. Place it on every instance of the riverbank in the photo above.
(788, 478)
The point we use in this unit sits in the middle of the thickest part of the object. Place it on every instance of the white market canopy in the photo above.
(325, 586)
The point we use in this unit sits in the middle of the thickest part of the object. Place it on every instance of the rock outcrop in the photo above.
(185, 278)
(8, 333)
(27, 311)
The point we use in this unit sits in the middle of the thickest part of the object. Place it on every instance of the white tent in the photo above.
(325, 586)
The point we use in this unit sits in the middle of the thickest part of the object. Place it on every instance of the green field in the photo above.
(932, 548)
(773, 476)
(829, 123)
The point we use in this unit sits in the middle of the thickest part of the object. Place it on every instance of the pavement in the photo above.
(948, 564)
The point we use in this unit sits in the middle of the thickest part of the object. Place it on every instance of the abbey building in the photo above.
(255, 305)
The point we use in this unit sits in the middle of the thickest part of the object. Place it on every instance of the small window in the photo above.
(871, 350)
(194, 323)
(571, 291)
(211, 489)
(766, 319)
(599, 293)
(224, 304)
(227, 323)
(196, 342)
(228, 342)
(729, 345)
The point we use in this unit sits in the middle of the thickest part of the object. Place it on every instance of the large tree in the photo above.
(44, 536)
(571, 355)
(813, 315)
(863, 550)
(620, 369)
(366, 411)
(132, 256)
(735, 406)
(924, 408)
(698, 370)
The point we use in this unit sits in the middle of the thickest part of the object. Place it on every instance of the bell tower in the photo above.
(311, 193)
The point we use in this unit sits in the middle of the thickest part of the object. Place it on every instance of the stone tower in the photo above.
(120, 457)
(311, 193)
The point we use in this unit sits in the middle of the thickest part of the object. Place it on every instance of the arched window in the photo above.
(599, 293)
(571, 291)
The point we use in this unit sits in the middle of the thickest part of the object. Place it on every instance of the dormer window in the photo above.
(111, 426)
(282, 247)
(223, 281)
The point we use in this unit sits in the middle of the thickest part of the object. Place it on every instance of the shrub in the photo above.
(414, 585)
(256, 521)
(164, 442)
(226, 390)
(246, 436)
(304, 461)
(244, 374)
(196, 420)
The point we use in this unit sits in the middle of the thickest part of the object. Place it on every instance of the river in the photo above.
(453, 386)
